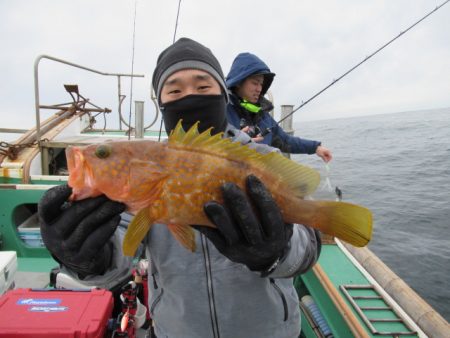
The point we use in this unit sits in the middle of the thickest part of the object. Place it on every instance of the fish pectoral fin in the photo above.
(146, 179)
(136, 232)
(184, 234)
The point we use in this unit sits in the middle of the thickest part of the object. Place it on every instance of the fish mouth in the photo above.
(80, 175)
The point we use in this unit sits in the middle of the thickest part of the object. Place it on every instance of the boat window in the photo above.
(57, 162)
(23, 212)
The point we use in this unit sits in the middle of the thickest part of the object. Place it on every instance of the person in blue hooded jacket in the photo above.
(248, 81)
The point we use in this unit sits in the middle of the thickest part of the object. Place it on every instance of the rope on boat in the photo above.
(265, 132)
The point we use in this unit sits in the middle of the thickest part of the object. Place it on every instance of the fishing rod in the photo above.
(268, 130)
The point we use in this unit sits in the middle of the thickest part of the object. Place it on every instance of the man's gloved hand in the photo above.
(257, 240)
(77, 233)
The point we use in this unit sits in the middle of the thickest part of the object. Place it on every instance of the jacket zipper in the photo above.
(283, 298)
(212, 305)
(155, 285)
(152, 308)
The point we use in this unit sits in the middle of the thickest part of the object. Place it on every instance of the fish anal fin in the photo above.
(184, 234)
(137, 229)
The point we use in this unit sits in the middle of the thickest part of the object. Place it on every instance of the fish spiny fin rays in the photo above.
(193, 138)
(136, 232)
(184, 234)
(301, 179)
(349, 222)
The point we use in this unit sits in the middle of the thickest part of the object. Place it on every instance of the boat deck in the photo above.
(367, 312)
(98, 136)
(34, 272)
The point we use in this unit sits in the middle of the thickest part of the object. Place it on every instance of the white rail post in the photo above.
(139, 118)
(286, 125)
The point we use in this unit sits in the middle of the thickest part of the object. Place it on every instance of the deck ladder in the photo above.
(361, 297)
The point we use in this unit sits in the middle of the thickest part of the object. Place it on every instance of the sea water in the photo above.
(398, 166)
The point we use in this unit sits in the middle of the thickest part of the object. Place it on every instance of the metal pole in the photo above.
(139, 118)
(120, 102)
(286, 118)
(36, 83)
(36, 97)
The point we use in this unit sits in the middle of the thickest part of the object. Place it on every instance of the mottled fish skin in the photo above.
(129, 174)
(169, 183)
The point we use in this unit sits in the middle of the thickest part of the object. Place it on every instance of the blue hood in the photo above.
(246, 64)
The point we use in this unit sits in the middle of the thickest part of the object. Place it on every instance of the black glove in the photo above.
(257, 240)
(77, 233)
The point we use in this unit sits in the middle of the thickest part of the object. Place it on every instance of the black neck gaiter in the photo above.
(208, 109)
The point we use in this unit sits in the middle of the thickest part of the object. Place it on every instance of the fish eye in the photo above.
(103, 151)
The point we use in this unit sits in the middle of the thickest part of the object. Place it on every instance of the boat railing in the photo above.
(38, 106)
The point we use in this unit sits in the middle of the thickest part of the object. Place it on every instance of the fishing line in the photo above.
(326, 187)
(173, 41)
(327, 183)
(267, 130)
(176, 22)
(132, 71)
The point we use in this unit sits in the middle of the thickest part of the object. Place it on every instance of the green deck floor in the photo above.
(341, 271)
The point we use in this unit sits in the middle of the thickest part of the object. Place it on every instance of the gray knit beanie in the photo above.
(186, 54)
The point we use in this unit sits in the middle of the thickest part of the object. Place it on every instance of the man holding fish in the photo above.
(232, 276)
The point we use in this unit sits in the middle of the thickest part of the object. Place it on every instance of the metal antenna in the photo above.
(356, 66)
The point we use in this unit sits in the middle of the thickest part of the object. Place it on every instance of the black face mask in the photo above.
(208, 109)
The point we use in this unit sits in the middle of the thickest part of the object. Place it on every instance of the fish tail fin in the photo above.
(348, 222)
(184, 234)
(136, 232)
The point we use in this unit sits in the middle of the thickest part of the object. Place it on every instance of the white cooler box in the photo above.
(8, 268)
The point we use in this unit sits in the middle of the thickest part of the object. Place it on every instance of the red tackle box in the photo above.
(55, 313)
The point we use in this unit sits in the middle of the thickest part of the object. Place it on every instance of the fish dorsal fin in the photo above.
(301, 179)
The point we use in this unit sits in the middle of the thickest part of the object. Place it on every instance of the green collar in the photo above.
(252, 108)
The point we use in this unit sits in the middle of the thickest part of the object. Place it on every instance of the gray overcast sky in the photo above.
(306, 43)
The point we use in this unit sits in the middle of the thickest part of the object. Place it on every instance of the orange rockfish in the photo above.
(170, 182)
